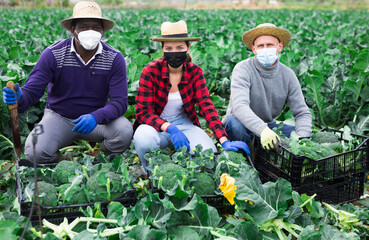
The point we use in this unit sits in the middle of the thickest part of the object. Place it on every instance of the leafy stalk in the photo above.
(345, 219)
(65, 230)
(278, 225)
(307, 201)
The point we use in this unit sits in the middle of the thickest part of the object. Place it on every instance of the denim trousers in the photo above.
(238, 132)
(147, 137)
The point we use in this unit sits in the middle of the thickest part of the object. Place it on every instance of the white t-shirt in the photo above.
(173, 107)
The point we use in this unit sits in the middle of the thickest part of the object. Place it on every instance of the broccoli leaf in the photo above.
(72, 189)
(268, 200)
(329, 232)
(247, 231)
(205, 216)
(183, 233)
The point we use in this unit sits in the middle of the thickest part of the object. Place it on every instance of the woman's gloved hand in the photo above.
(10, 97)
(235, 146)
(269, 139)
(85, 124)
(178, 137)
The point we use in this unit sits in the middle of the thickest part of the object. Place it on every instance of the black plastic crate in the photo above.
(57, 214)
(220, 203)
(335, 179)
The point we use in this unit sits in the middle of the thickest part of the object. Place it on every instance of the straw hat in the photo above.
(174, 32)
(86, 9)
(266, 29)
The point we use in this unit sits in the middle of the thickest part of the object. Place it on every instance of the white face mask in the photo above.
(89, 39)
(267, 56)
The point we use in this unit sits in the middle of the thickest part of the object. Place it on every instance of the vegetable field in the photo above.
(329, 52)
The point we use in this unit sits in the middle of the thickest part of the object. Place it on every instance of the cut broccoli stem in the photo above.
(107, 184)
(160, 182)
(184, 179)
(150, 161)
(85, 172)
(156, 170)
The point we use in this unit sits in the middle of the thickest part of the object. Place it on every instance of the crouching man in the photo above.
(261, 86)
(86, 88)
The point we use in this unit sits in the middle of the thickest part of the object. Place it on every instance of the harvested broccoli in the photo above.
(233, 156)
(313, 150)
(204, 184)
(169, 172)
(325, 137)
(65, 169)
(48, 194)
(106, 167)
(337, 147)
(285, 142)
(101, 190)
(79, 198)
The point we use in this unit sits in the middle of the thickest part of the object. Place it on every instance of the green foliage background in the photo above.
(328, 52)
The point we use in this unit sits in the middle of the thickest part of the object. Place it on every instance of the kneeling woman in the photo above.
(168, 90)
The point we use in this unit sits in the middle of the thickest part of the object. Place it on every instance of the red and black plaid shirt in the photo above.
(153, 94)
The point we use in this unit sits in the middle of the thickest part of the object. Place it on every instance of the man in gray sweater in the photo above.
(261, 86)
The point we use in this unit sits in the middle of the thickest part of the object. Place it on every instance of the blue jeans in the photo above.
(238, 132)
(147, 137)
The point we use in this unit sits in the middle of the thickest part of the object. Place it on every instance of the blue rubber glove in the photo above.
(85, 124)
(235, 146)
(10, 97)
(178, 138)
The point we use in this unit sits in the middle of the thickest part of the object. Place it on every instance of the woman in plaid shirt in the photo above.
(168, 90)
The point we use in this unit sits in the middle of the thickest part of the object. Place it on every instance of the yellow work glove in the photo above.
(268, 138)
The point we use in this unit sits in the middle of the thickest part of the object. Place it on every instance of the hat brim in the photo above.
(282, 34)
(67, 23)
(166, 39)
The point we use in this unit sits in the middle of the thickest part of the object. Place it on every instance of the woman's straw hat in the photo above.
(266, 29)
(174, 32)
(86, 9)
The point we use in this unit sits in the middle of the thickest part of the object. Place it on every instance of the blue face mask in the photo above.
(267, 56)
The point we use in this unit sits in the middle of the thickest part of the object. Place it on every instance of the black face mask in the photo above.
(175, 59)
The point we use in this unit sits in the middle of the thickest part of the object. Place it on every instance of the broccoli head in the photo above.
(79, 198)
(204, 184)
(94, 186)
(64, 169)
(313, 150)
(325, 137)
(48, 194)
(235, 157)
(169, 173)
(102, 166)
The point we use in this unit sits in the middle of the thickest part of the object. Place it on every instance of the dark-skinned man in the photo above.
(86, 88)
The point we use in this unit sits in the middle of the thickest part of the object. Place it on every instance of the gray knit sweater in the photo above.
(258, 94)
